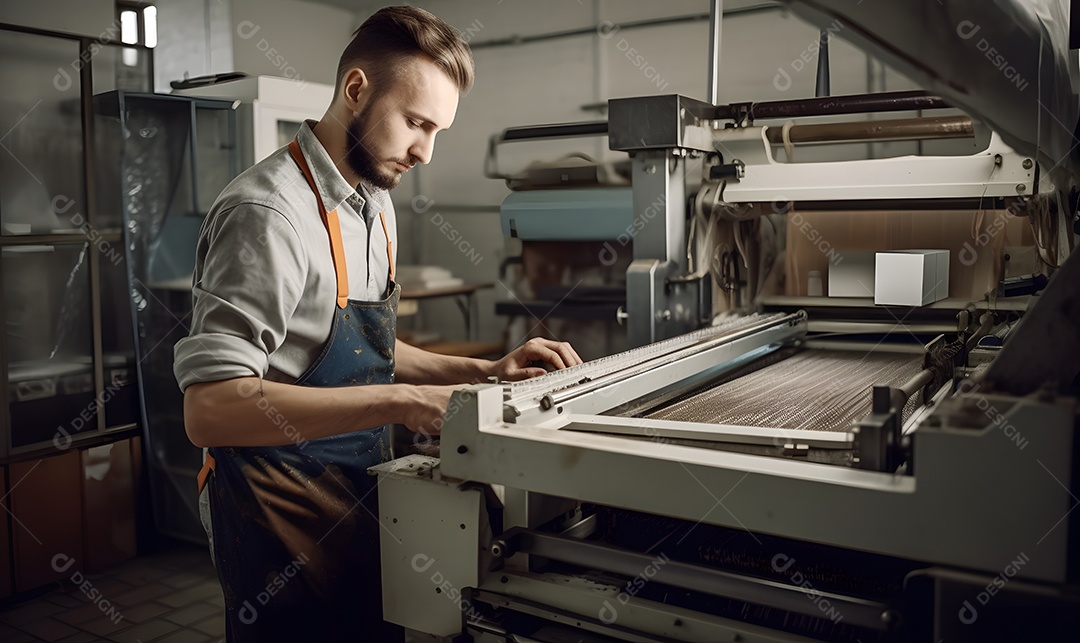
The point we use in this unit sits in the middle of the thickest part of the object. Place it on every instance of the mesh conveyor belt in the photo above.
(820, 390)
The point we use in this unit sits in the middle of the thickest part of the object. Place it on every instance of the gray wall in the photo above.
(82, 17)
(194, 39)
(290, 38)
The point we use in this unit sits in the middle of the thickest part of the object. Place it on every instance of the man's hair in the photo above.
(386, 41)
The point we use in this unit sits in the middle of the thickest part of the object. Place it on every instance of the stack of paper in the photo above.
(425, 277)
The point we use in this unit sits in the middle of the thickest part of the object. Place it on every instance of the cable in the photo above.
(789, 147)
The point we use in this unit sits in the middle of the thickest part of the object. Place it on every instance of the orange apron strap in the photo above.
(333, 228)
(208, 465)
(389, 246)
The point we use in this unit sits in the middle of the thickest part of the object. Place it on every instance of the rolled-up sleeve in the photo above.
(250, 272)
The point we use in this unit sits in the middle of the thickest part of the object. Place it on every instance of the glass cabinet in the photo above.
(172, 156)
(68, 353)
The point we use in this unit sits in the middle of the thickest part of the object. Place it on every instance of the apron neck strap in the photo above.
(333, 228)
(389, 250)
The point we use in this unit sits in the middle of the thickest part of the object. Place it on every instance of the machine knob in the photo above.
(501, 549)
(620, 315)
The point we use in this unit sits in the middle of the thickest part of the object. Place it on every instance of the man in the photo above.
(289, 370)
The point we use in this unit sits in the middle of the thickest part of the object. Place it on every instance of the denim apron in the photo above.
(295, 530)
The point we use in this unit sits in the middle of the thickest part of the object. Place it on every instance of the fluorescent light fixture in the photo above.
(129, 27)
(150, 26)
(129, 56)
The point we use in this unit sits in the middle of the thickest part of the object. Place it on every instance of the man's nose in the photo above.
(423, 148)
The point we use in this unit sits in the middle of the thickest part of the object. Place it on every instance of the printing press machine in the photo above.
(791, 469)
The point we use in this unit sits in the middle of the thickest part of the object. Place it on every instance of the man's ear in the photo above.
(355, 90)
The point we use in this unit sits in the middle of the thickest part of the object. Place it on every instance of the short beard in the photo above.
(361, 161)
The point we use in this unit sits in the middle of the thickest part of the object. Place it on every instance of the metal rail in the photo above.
(906, 129)
(594, 555)
(833, 105)
(591, 370)
(555, 399)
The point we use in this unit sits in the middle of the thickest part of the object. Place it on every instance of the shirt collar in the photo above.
(333, 188)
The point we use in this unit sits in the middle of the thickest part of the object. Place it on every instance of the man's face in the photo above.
(396, 128)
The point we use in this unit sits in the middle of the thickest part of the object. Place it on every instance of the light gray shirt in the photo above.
(264, 287)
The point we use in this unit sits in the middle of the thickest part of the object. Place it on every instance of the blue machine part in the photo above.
(593, 214)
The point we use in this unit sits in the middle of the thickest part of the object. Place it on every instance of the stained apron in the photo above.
(294, 529)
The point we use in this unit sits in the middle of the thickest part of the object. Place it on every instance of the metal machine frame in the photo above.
(973, 492)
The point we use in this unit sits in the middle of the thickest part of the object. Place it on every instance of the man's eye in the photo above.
(413, 122)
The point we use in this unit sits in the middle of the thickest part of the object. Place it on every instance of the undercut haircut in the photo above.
(392, 36)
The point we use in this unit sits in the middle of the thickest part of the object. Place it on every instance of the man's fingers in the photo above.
(543, 353)
(570, 357)
(558, 354)
(567, 356)
(530, 372)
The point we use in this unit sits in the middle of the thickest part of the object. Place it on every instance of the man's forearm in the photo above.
(246, 412)
(418, 366)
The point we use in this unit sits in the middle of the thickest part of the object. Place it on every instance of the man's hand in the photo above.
(516, 365)
(426, 406)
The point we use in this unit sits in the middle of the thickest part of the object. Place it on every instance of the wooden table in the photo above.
(464, 296)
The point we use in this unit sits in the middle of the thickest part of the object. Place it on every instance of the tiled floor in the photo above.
(172, 597)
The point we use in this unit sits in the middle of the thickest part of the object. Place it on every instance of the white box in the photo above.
(911, 277)
(852, 274)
